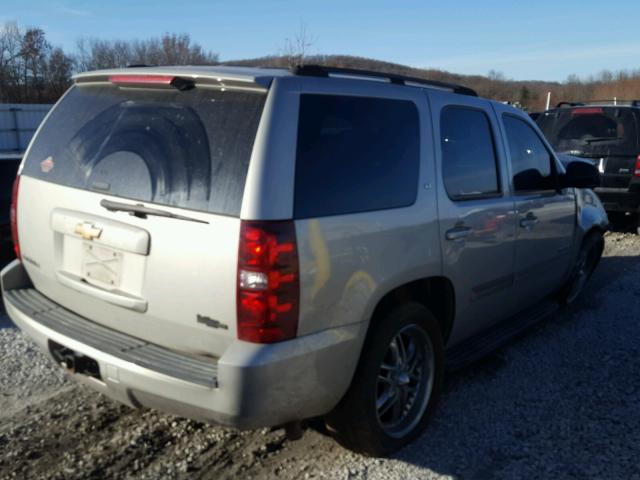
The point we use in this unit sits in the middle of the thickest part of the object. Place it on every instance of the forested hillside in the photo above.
(529, 94)
(34, 71)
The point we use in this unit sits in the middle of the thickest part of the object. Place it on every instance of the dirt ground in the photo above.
(563, 401)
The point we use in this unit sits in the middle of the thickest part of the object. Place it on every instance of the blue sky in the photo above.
(546, 40)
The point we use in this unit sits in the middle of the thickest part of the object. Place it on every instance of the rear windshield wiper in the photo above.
(140, 211)
(603, 139)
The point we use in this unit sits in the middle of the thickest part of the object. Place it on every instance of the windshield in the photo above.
(188, 149)
(591, 130)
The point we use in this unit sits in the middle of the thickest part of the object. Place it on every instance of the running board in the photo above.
(496, 336)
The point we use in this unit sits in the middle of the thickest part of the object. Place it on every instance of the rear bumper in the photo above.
(250, 386)
(619, 199)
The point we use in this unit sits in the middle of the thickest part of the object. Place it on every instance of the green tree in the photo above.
(525, 97)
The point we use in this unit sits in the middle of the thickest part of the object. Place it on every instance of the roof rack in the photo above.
(612, 102)
(322, 71)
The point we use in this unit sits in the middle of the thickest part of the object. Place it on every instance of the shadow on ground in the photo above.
(563, 400)
(5, 321)
(6, 256)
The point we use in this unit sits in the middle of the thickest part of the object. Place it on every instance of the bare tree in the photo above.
(58, 72)
(170, 49)
(296, 49)
(31, 70)
(34, 50)
(10, 44)
(496, 76)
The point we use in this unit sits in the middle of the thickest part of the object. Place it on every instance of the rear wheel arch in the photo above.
(594, 230)
(585, 263)
(435, 293)
(359, 420)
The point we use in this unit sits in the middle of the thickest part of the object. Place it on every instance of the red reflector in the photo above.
(13, 214)
(636, 170)
(141, 79)
(586, 111)
(268, 282)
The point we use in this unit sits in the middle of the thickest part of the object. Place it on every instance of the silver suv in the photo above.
(256, 247)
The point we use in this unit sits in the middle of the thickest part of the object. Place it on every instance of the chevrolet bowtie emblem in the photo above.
(88, 231)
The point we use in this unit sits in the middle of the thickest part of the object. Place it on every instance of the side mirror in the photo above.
(530, 180)
(580, 174)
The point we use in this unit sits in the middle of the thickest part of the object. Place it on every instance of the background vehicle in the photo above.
(534, 115)
(608, 135)
(18, 123)
(256, 247)
(8, 169)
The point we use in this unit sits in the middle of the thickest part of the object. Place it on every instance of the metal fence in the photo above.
(18, 123)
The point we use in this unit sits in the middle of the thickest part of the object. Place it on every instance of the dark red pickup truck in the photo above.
(8, 168)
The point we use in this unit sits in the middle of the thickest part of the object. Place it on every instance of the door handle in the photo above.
(529, 221)
(457, 233)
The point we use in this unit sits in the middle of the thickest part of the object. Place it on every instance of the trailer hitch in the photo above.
(74, 362)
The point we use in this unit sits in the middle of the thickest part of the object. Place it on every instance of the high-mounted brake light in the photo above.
(13, 214)
(268, 293)
(152, 81)
(636, 170)
(586, 111)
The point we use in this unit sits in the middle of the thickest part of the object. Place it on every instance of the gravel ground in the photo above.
(562, 401)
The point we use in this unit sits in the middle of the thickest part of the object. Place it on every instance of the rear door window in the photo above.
(531, 162)
(355, 154)
(188, 149)
(469, 164)
(591, 130)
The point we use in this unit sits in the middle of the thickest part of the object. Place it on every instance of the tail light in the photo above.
(587, 111)
(268, 293)
(636, 170)
(155, 81)
(14, 217)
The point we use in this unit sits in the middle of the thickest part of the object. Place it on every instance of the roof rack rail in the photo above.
(322, 71)
(610, 101)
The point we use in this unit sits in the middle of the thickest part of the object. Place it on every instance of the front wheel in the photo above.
(588, 258)
(396, 385)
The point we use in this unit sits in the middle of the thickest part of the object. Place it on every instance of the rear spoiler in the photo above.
(141, 77)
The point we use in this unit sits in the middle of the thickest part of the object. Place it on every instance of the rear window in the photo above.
(355, 154)
(591, 130)
(187, 149)
(531, 162)
(469, 164)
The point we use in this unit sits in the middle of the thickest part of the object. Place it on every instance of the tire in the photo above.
(618, 219)
(586, 263)
(368, 420)
(623, 221)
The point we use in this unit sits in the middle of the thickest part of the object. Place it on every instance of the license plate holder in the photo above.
(101, 266)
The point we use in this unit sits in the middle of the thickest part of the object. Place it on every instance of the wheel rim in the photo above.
(405, 381)
(584, 267)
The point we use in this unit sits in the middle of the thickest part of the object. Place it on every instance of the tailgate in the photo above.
(169, 276)
(617, 171)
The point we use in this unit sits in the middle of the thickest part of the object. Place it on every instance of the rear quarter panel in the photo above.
(349, 262)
